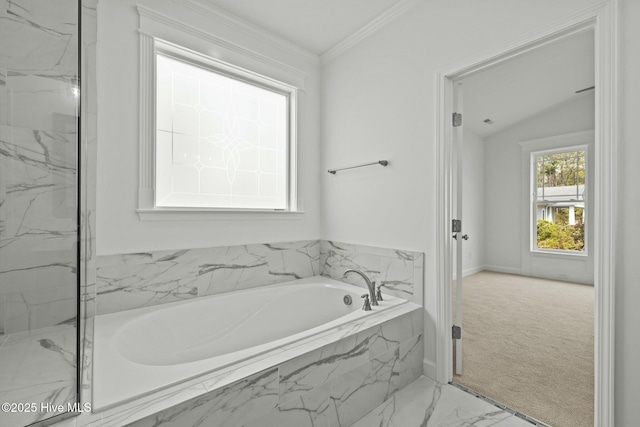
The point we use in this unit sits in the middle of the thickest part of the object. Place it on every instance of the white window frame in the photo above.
(533, 218)
(166, 33)
(208, 63)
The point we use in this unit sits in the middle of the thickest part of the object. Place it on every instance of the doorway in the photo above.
(530, 118)
(598, 20)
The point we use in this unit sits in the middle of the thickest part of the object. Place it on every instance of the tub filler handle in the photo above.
(366, 306)
(379, 291)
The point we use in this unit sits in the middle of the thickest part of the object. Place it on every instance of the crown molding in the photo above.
(249, 29)
(367, 30)
(232, 47)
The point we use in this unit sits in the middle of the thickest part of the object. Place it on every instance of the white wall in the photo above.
(506, 213)
(119, 230)
(473, 202)
(627, 271)
(379, 102)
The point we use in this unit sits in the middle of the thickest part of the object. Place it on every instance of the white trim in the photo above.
(156, 28)
(153, 17)
(506, 270)
(474, 270)
(429, 368)
(603, 19)
(367, 30)
(549, 143)
(576, 141)
(469, 271)
(572, 25)
(210, 214)
(582, 262)
(146, 170)
(249, 29)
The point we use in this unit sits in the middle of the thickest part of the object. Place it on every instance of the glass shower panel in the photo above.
(39, 101)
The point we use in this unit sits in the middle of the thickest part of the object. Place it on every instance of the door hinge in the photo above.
(456, 332)
(457, 120)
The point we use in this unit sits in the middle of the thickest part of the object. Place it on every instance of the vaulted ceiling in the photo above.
(529, 84)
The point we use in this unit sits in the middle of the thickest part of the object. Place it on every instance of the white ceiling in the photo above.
(528, 85)
(507, 93)
(316, 25)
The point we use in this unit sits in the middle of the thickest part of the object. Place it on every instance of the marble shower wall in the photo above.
(125, 282)
(334, 385)
(401, 271)
(38, 150)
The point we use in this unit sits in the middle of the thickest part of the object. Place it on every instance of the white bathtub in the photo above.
(138, 352)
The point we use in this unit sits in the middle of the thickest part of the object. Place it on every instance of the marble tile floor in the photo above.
(425, 403)
(37, 367)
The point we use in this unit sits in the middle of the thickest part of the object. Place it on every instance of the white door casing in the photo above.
(601, 18)
(458, 141)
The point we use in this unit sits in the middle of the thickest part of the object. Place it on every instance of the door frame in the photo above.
(602, 18)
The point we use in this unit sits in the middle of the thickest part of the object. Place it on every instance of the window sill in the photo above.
(560, 254)
(214, 215)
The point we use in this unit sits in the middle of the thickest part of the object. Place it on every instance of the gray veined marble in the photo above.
(131, 281)
(38, 233)
(40, 102)
(25, 311)
(39, 180)
(139, 280)
(47, 31)
(400, 271)
(241, 267)
(37, 366)
(354, 394)
(309, 410)
(304, 373)
(425, 403)
(230, 406)
(359, 372)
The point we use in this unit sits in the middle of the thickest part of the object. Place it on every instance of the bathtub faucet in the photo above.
(371, 286)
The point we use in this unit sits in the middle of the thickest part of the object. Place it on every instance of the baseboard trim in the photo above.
(470, 271)
(473, 270)
(429, 369)
(508, 270)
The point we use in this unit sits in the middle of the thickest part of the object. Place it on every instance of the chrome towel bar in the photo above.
(379, 162)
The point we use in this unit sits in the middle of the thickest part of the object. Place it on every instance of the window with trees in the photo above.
(559, 199)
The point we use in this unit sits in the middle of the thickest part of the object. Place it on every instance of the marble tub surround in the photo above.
(145, 350)
(232, 405)
(425, 403)
(132, 281)
(401, 271)
(37, 366)
(385, 332)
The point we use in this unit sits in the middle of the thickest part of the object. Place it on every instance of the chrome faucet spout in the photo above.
(370, 285)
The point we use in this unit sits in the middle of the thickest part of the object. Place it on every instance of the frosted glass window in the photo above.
(221, 142)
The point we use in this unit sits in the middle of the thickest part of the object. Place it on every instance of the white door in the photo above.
(457, 233)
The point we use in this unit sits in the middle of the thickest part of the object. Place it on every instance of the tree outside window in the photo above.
(560, 200)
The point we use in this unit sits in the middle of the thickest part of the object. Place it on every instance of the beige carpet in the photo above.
(528, 344)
